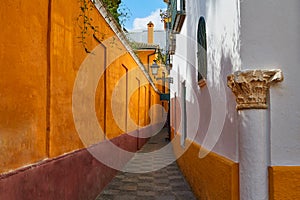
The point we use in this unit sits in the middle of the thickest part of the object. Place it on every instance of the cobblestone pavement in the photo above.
(166, 183)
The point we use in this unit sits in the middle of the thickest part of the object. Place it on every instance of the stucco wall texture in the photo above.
(284, 182)
(212, 177)
(40, 56)
(23, 85)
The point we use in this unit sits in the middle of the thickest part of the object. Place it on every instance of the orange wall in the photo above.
(23, 85)
(284, 182)
(38, 72)
(143, 55)
(212, 177)
(67, 55)
(117, 71)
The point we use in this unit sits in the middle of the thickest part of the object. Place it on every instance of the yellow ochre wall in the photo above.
(144, 54)
(216, 177)
(23, 90)
(67, 57)
(284, 182)
(212, 177)
(40, 56)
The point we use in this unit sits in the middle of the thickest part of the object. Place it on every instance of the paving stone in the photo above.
(145, 198)
(110, 192)
(128, 187)
(183, 193)
(106, 197)
(161, 180)
(175, 183)
(180, 188)
(115, 184)
(145, 184)
(124, 197)
(167, 183)
(130, 180)
(161, 188)
(175, 177)
(165, 197)
(185, 197)
(146, 193)
(128, 193)
(149, 177)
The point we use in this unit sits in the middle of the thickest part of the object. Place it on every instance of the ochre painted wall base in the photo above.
(284, 182)
(212, 177)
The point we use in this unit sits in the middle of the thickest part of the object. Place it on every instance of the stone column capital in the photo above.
(251, 87)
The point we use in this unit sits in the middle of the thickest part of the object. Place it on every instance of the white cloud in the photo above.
(141, 23)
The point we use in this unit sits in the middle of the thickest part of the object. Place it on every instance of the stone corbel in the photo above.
(251, 87)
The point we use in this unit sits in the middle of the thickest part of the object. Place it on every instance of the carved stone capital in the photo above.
(251, 87)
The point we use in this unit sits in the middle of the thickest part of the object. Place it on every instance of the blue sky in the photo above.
(142, 11)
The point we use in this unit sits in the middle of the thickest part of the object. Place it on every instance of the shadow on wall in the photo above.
(226, 143)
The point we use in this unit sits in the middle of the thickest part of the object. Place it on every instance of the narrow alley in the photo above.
(167, 183)
(86, 96)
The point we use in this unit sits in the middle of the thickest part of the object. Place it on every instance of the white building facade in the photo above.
(241, 141)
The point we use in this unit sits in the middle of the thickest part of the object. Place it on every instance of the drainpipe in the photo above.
(251, 88)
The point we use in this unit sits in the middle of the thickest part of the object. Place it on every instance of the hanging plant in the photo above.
(86, 22)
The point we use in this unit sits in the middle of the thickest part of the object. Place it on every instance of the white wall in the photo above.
(270, 37)
(222, 20)
(178, 73)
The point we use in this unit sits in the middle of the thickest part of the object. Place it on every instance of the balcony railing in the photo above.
(177, 8)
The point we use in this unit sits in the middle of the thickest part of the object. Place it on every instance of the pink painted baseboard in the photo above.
(77, 175)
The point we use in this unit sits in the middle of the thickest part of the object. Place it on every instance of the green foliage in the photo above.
(118, 10)
(161, 57)
(125, 14)
(86, 24)
(113, 6)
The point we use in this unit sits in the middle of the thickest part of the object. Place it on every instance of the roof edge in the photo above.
(120, 34)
